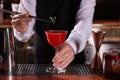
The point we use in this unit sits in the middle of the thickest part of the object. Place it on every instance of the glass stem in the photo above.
(56, 49)
(59, 69)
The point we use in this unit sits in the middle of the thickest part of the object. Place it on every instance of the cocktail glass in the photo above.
(55, 38)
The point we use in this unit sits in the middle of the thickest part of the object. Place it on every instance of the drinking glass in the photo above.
(55, 38)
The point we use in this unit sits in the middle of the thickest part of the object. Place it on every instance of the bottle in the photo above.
(1, 12)
(89, 51)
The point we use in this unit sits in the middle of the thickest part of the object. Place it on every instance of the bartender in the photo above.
(75, 16)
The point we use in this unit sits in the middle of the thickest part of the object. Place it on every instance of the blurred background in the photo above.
(104, 10)
(106, 18)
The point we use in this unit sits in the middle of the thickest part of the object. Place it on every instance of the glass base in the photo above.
(54, 70)
(61, 70)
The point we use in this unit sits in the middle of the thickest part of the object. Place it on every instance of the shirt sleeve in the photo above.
(83, 27)
(26, 5)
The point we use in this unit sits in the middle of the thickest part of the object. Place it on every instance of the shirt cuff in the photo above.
(23, 36)
(76, 41)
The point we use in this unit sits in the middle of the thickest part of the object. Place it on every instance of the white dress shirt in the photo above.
(78, 36)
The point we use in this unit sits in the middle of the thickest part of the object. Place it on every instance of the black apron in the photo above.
(64, 11)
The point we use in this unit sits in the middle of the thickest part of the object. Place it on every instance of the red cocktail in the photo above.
(56, 38)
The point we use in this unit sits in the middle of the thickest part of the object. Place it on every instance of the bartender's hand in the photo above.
(64, 56)
(21, 21)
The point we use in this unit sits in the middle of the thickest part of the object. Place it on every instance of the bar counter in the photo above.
(37, 72)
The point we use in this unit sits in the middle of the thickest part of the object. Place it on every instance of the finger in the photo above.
(24, 15)
(24, 20)
(64, 48)
(66, 62)
(20, 25)
(27, 14)
(64, 59)
(18, 16)
(15, 22)
(60, 52)
(60, 58)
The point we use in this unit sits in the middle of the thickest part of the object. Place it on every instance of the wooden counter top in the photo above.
(53, 77)
(107, 22)
(6, 24)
